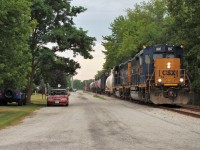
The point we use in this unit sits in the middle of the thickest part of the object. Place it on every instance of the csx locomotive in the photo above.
(156, 75)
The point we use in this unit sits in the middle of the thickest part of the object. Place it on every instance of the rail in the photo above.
(193, 112)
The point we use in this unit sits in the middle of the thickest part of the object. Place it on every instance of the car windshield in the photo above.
(58, 92)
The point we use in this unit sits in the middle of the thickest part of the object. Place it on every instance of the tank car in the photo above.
(92, 87)
(109, 84)
(155, 75)
(101, 83)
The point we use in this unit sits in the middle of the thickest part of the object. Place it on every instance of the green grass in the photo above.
(98, 96)
(13, 114)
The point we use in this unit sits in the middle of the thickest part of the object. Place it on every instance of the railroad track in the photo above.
(193, 112)
(189, 111)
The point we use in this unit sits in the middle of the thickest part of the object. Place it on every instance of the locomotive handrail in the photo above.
(150, 81)
(189, 81)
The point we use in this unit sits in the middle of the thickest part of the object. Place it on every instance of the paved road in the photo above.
(91, 123)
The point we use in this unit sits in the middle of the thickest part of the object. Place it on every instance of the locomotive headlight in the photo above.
(181, 79)
(168, 65)
(159, 80)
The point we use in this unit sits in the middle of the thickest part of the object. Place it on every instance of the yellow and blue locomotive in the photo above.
(155, 74)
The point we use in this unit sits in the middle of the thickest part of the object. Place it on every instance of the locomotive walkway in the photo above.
(91, 123)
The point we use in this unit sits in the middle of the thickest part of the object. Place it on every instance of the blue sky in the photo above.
(96, 20)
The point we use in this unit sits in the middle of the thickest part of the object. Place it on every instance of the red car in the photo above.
(58, 97)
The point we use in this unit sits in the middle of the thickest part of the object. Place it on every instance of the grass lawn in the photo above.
(13, 114)
(98, 96)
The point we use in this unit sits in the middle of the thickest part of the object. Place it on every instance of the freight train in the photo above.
(155, 75)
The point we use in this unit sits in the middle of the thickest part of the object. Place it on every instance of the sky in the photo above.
(96, 20)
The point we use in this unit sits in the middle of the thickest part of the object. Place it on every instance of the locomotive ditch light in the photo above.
(159, 80)
(181, 80)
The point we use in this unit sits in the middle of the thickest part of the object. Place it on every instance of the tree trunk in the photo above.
(29, 90)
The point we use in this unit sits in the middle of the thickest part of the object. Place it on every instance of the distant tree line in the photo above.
(156, 22)
(26, 27)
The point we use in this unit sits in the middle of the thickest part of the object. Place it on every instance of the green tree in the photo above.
(55, 25)
(86, 83)
(146, 24)
(15, 30)
(113, 43)
(100, 73)
(186, 30)
(78, 84)
(54, 69)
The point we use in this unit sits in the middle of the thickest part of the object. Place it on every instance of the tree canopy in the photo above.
(186, 30)
(15, 30)
(55, 25)
(26, 28)
(146, 24)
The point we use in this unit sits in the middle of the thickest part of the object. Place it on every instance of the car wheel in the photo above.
(67, 104)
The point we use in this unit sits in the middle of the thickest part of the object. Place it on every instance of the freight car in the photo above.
(99, 84)
(92, 87)
(156, 75)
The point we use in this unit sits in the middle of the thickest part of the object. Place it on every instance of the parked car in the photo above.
(9, 95)
(58, 97)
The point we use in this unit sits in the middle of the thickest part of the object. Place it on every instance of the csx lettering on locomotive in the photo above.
(170, 72)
